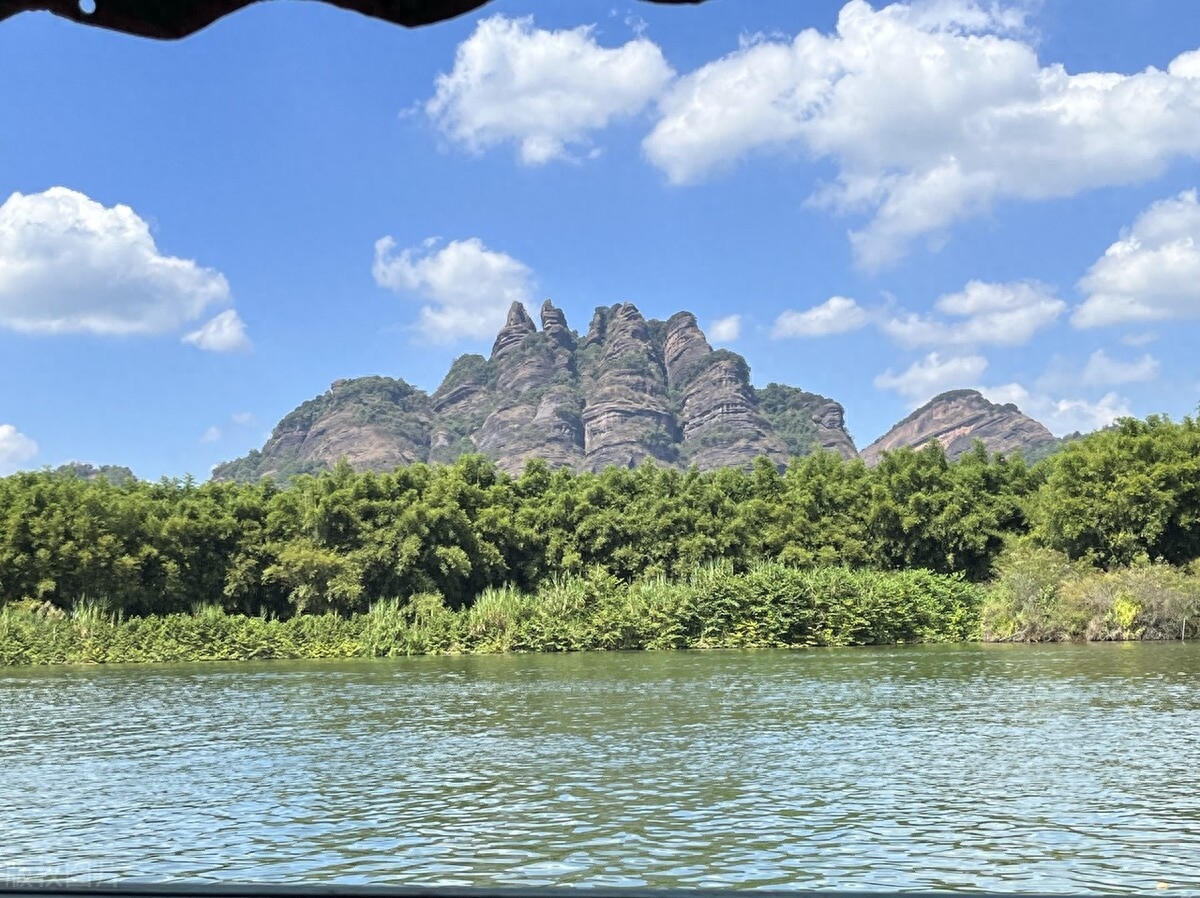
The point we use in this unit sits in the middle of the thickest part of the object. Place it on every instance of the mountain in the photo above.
(627, 390)
(957, 418)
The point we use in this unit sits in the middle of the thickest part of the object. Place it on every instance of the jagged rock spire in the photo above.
(554, 326)
(516, 328)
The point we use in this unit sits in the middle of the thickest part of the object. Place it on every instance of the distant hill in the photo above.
(628, 390)
(960, 417)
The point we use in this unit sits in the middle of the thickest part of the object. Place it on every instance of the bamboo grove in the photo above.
(341, 543)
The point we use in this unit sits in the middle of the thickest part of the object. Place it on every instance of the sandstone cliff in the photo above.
(956, 419)
(628, 390)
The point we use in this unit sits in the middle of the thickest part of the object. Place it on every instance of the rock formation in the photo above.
(718, 414)
(374, 423)
(956, 420)
(626, 412)
(631, 389)
(806, 421)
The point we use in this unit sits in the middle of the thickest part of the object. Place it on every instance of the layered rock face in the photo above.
(536, 406)
(626, 413)
(718, 409)
(374, 423)
(629, 390)
(956, 420)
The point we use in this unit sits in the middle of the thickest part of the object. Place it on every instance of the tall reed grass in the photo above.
(716, 606)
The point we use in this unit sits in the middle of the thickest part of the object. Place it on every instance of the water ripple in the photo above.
(1017, 769)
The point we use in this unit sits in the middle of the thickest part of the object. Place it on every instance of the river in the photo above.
(1014, 768)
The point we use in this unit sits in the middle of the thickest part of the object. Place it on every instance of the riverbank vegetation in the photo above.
(770, 605)
(1093, 542)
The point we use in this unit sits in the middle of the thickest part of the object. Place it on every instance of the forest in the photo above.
(1100, 540)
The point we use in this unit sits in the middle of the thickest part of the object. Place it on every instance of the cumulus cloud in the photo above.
(545, 91)
(243, 419)
(837, 315)
(1104, 371)
(931, 112)
(211, 435)
(1062, 416)
(726, 330)
(1152, 272)
(932, 375)
(468, 286)
(224, 333)
(15, 449)
(71, 265)
(1006, 314)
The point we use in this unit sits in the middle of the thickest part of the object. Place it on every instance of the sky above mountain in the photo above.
(875, 202)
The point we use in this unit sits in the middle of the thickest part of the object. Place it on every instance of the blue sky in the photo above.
(875, 202)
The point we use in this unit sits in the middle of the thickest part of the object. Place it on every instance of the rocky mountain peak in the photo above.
(554, 326)
(516, 328)
(683, 346)
(956, 419)
(632, 389)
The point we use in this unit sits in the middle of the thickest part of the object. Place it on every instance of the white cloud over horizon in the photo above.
(1101, 370)
(15, 449)
(469, 288)
(69, 264)
(931, 112)
(1007, 314)
(725, 330)
(224, 333)
(1152, 273)
(1062, 416)
(931, 375)
(837, 315)
(545, 91)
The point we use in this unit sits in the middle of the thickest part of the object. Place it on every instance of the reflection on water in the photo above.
(1010, 768)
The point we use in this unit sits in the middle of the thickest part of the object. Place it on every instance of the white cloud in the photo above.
(543, 90)
(1152, 273)
(932, 112)
(837, 315)
(1006, 314)
(211, 435)
(726, 330)
(244, 419)
(469, 286)
(1062, 416)
(71, 265)
(1139, 339)
(932, 375)
(15, 449)
(1104, 371)
(224, 333)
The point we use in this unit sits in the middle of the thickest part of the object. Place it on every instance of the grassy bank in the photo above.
(1038, 596)
(770, 605)
(1041, 595)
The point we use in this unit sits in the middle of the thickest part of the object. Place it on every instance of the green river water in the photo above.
(1012, 768)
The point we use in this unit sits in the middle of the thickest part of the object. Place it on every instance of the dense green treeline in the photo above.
(341, 542)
